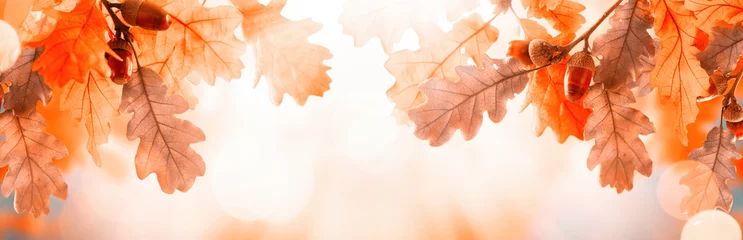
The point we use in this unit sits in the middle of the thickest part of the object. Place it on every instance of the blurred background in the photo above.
(341, 168)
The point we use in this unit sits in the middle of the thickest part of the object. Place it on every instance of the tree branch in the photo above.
(587, 34)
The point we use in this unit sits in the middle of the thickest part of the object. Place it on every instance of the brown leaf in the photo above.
(453, 106)
(27, 86)
(547, 95)
(623, 45)
(724, 50)
(92, 102)
(200, 38)
(616, 127)
(164, 146)
(284, 57)
(437, 58)
(678, 75)
(75, 47)
(708, 181)
(27, 151)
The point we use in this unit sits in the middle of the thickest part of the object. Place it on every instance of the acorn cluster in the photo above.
(540, 52)
(137, 13)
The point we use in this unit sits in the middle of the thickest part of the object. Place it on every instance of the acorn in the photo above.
(519, 49)
(541, 52)
(121, 70)
(145, 14)
(736, 128)
(579, 75)
(733, 112)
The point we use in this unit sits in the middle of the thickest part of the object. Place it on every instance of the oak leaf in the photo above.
(75, 46)
(452, 106)
(284, 57)
(92, 102)
(678, 74)
(501, 6)
(27, 87)
(533, 30)
(708, 181)
(616, 127)
(710, 13)
(437, 59)
(27, 151)
(724, 50)
(165, 140)
(622, 46)
(200, 38)
(389, 19)
(547, 95)
(563, 15)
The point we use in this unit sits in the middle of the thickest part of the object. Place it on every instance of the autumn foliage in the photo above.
(687, 52)
(67, 53)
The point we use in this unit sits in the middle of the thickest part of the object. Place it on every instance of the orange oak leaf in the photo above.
(547, 95)
(710, 13)
(389, 19)
(27, 87)
(621, 48)
(678, 74)
(724, 50)
(616, 126)
(76, 46)
(284, 57)
(92, 102)
(200, 38)
(452, 106)
(437, 58)
(27, 151)
(533, 30)
(563, 15)
(165, 140)
(172, 67)
(707, 182)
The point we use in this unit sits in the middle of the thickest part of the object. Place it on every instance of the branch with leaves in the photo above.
(102, 58)
(586, 92)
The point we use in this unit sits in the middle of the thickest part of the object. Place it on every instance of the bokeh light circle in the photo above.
(670, 191)
(711, 224)
(254, 181)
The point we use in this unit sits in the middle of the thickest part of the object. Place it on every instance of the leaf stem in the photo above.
(119, 26)
(731, 93)
(587, 34)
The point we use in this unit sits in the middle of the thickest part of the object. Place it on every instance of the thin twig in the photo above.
(119, 26)
(587, 34)
(731, 92)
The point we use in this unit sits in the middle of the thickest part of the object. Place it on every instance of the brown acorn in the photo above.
(541, 52)
(735, 127)
(733, 112)
(579, 75)
(121, 70)
(145, 14)
(519, 49)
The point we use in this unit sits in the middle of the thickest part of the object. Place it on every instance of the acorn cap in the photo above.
(582, 59)
(733, 113)
(120, 44)
(720, 82)
(541, 52)
(130, 10)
